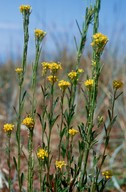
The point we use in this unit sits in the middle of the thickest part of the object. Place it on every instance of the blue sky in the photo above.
(57, 18)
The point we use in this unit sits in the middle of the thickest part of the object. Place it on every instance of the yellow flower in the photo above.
(89, 83)
(80, 71)
(117, 84)
(29, 122)
(99, 41)
(73, 132)
(107, 174)
(25, 8)
(19, 70)
(41, 154)
(63, 84)
(8, 128)
(54, 67)
(39, 34)
(52, 78)
(45, 66)
(72, 75)
(60, 164)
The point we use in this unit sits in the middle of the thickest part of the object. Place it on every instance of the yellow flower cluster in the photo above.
(19, 70)
(45, 66)
(52, 78)
(52, 66)
(89, 83)
(41, 154)
(73, 75)
(107, 174)
(117, 84)
(63, 84)
(29, 122)
(73, 132)
(25, 8)
(39, 34)
(8, 128)
(99, 41)
(60, 164)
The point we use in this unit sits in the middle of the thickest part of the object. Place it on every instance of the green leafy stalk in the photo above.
(61, 124)
(44, 107)
(30, 162)
(112, 120)
(26, 39)
(34, 76)
(40, 175)
(69, 117)
(93, 91)
(88, 19)
(26, 15)
(39, 35)
(9, 158)
(18, 135)
(51, 123)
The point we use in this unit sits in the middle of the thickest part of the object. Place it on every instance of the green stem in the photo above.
(30, 162)
(34, 82)
(92, 100)
(40, 176)
(50, 131)
(61, 124)
(26, 39)
(18, 136)
(69, 121)
(20, 104)
(34, 77)
(9, 165)
(108, 135)
(88, 19)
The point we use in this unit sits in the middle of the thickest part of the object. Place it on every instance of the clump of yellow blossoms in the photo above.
(25, 8)
(39, 34)
(107, 174)
(73, 132)
(8, 128)
(99, 41)
(60, 164)
(63, 84)
(52, 78)
(54, 67)
(45, 66)
(117, 84)
(89, 83)
(41, 154)
(29, 122)
(73, 75)
(19, 70)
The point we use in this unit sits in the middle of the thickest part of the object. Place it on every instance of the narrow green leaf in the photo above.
(78, 27)
(22, 178)
(15, 163)
(109, 114)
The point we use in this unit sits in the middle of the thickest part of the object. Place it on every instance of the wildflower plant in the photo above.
(65, 171)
